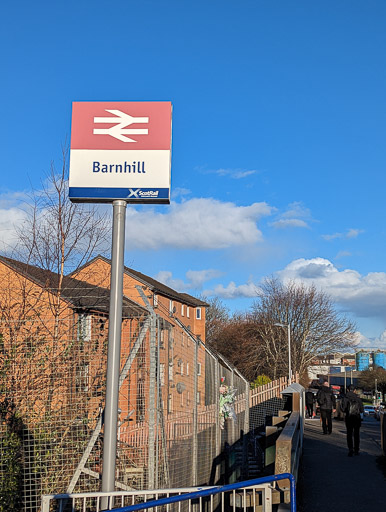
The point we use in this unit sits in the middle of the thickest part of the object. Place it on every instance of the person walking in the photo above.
(309, 395)
(352, 406)
(327, 403)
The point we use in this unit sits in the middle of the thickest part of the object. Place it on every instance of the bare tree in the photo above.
(47, 366)
(316, 327)
(57, 235)
(216, 318)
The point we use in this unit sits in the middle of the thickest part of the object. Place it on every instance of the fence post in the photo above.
(233, 423)
(152, 404)
(217, 409)
(246, 416)
(195, 412)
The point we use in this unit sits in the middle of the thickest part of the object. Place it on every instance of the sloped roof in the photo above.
(79, 294)
(156, 286)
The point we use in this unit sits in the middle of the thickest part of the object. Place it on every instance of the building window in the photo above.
(198, 368)
(155, 300)
(198, 397)
(187, 368)
(188, 398)
(198, 313)
(162, 374)
(171, 306)
(84, 327)
(170, 403)
(182, 368)
(170, 370)
(182, 309)
(187, 312)
(82, 378)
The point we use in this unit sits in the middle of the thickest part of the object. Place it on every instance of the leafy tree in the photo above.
(368, 377)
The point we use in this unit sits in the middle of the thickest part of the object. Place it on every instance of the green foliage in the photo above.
(11, 472)
(260, 380)
(11, 459)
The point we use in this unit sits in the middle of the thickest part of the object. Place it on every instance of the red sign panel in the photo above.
(121, 125)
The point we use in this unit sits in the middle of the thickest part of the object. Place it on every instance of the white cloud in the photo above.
(364, 295)
(232, 291)
(297, 210)
(198, 277)
(342, 254)
(235, 174)
(296, 216)
(195, 279)
(9, 219)
(180, 192)
(289, 223)
(196, 224)
(12, 214)
(363, 341)
(350, 233)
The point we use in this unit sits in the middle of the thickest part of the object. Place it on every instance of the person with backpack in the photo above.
(327, 403)
(309, 395)
(352, 406)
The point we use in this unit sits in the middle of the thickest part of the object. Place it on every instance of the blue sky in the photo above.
(278, 163)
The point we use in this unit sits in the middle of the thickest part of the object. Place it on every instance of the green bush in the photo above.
(260, 380)
(11, 472)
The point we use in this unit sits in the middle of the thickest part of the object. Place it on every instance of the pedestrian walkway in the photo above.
(331, 481)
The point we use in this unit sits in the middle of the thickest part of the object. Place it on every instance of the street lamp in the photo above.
(289, 348)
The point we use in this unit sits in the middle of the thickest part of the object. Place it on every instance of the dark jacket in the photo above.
(350, 396)
(309, 397)
(326, 398)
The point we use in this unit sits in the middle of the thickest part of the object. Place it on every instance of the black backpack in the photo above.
(354, 408)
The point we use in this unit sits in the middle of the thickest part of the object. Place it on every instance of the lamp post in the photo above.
(289, 348)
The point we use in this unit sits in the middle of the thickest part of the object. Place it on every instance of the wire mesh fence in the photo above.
(171, 429)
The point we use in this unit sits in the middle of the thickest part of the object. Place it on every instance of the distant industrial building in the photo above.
(369, 358)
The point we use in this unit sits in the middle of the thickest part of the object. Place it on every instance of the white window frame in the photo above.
(182, 309)
(155, 300)
(171, 370)
(187, 312)
(84, 327)
(162, 374)
(198, 313)
(198, 368)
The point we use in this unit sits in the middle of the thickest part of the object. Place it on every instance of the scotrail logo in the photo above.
(121, 121)
(139, 194)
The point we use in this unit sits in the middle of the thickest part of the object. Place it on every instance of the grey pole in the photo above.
(114, 347)
(289, 354)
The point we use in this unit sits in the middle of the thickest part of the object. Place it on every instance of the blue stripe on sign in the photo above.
(134, 195)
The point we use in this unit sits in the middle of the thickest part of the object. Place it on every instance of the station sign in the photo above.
(120, 150)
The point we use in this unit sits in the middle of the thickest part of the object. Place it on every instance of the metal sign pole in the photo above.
(114, 347)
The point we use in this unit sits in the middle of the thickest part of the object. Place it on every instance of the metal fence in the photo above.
(258, 494)
(170, 431)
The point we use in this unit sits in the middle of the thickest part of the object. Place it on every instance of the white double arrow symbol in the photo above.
(119, 130)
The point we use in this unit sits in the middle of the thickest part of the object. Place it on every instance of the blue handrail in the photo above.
(216, 490)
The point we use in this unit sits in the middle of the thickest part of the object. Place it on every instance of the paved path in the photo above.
(331, 481)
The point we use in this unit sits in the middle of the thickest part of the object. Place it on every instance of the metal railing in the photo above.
(258, 493)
